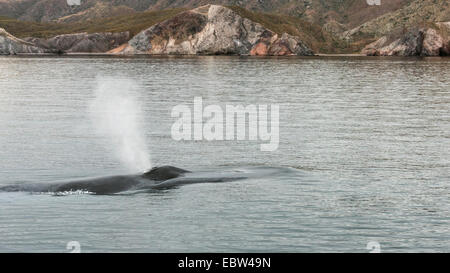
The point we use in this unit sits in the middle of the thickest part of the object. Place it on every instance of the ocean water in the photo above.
(366, 140)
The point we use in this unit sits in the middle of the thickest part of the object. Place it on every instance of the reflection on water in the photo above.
(370, 136)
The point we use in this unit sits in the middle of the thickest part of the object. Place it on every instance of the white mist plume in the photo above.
(115, 114)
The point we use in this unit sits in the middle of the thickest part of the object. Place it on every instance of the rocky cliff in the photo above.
(212, 29)
(417, 41)
(11, 45)
(82, 42)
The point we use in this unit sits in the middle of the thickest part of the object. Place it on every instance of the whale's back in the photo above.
(164, 173)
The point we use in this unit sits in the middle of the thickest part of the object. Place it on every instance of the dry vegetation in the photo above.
(133, 23)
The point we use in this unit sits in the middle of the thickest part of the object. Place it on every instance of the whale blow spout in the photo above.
(164, 173)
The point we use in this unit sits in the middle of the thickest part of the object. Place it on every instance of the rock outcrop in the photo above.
(82, 42)
(212, 30)
(10, 45)
(424, 41)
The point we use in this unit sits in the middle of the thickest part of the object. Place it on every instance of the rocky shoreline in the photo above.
(218, 30)
(423, 41)
(10, 45)
(81, 42)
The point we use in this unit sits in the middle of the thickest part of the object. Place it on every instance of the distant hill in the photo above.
(347, 12)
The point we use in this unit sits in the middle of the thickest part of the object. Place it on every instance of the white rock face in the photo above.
(212, 29)
(10, 45)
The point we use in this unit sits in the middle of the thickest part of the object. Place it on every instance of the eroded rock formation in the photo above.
(10, 45)
(82, 42)
(212, 29)
(424, 41)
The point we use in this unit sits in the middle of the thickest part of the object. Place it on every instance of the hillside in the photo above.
(415, 13)
(133, 23)
(99, 10)
(350, 13)
(311, 34)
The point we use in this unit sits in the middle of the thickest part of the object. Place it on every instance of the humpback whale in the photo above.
(157, 178)
(105, 185)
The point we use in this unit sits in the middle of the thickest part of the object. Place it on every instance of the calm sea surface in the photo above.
(368, 140)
